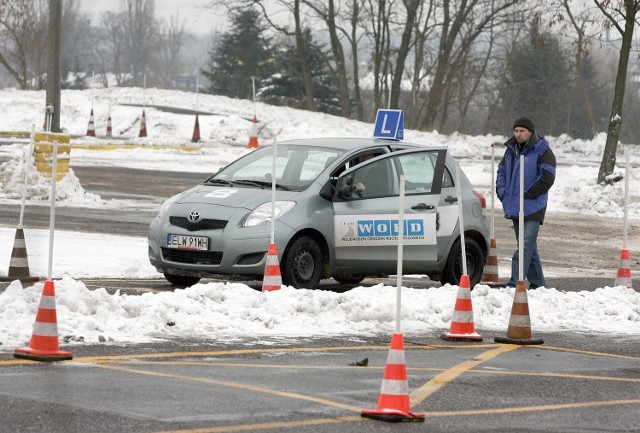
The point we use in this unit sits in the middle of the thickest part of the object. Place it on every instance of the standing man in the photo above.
(539, 175)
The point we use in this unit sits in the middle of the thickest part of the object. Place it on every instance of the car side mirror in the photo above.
(343, 187)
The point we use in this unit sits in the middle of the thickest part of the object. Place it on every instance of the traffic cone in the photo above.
(109, 130)
(253, 138)
(44, 340)
(490, 274)
(91, 129)
(143, 125)
(272, 279)
(519, 331)
(19, 264)
(623, 278)
(462, 327)
(393, 402)
(196, 131)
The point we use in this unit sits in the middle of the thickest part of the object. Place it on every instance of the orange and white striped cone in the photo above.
(623, 278)
(272, 279)
(91, 128)
(253, 137)
(143, 125)
(519, 331)
(44, 340)
(462, 327)
(393, 402)
(109, 129)
(19, 263)
(196, 131)
(490, 274)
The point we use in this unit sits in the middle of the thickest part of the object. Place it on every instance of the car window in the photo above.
(447, 179)
(296, 166)
(419, 170)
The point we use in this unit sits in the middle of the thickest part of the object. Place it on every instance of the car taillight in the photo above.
(483, 201)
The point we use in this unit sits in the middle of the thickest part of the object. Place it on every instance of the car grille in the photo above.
(192, 257)
(205, 224)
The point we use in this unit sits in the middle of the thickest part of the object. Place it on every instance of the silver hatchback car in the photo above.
(336, 208)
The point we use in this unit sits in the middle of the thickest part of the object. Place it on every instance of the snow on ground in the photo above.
(223, 311)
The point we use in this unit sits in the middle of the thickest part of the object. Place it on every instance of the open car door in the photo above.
(366, 206)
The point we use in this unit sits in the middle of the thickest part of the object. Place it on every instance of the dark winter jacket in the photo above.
(539, 175)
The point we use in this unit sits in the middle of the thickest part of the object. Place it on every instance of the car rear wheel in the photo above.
(346, 278)
(181, 280)
(475, 263)
(302, 264)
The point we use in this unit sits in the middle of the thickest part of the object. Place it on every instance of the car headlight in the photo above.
(262, 214)
(165, 206)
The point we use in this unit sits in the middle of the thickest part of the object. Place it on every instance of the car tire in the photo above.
(302, 264)
(181, 280)
(453, 268)
(346, 278)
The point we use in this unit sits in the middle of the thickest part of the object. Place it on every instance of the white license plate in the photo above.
(188, 242)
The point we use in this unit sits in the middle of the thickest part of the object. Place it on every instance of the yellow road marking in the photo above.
(235, 385)
(269, 425)
(534, 408)
(447, 376)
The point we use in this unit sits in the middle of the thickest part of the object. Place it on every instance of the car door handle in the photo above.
(451, 199)
(422, 206)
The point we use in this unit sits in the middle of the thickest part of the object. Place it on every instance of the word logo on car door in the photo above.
(365, 230)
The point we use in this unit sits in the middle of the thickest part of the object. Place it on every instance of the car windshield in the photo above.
(296, 167)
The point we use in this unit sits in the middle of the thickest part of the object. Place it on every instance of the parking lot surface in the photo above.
(570, 383)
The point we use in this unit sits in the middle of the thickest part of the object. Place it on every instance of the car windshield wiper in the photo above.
(219, 182)
(260, 183)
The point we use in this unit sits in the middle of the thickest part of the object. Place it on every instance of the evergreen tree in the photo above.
(238, 55)
(286, 86)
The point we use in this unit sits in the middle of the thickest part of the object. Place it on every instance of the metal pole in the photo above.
(52, 213)
(626, 198)
(53, 63)
(197, 93)
(400, 256)
(521, 223)
(461, 220)
(273, 192)
(493, 191)
(253, 82)
(27, 168)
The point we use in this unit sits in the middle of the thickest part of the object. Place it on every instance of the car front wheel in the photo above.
(302, 264)
(181, 280)
(475, 263)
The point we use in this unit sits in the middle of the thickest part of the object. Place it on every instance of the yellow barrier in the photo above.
(43, 153)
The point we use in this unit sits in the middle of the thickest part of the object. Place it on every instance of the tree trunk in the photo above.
(301, 45)
(615, 120)
(338, 56)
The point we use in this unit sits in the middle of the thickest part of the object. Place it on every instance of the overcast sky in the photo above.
(191, 12)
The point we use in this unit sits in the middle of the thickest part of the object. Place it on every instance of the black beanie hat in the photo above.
(524, 122)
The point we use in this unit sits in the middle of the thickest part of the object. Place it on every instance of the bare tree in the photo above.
(173, 39)
(140, 35)
(621, 16)
(23, 26)
(461, 24)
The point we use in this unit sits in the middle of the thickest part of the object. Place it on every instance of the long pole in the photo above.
(626, 198)
(521, 223)
(400, 256)
(253, 83)
(493, 190)
(52, 213)
(27, 168)
(461, 220)
(273, 192)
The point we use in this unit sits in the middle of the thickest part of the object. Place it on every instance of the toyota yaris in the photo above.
(336, 215)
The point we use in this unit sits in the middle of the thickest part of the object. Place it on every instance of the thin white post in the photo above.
(52, 212)
(273, 192)
(27, 169)
(626, 198)
(521, 223)
(400, 256)
(461, 219)
(493, 191)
